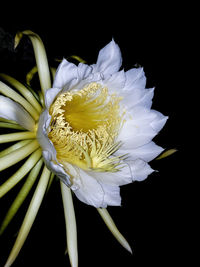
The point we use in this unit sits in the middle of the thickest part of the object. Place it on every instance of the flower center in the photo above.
(84, 127)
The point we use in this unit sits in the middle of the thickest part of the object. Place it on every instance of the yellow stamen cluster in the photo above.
(84, 127)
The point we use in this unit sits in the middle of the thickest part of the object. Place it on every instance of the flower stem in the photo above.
(30, 216)
(9, 92)
(70, 222)
(21, 195)
(20, 173)
(14, 147)
(112, 227)
(11, 137)
(17, 155)
(23, 90)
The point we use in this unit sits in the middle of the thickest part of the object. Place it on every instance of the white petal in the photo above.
(121, 177)
(137, 97)
(50, 95)
(109, 59)
(11, 110)
(42, 134)
(140, 169)
(146, 152)
(89, 190)
(141, 128)
(111, 195)
(83, 71)
(115, 82)
(56, 168)
(95, 193)
(159, 121)
(65, 73)
(48, 150)
(135, 78)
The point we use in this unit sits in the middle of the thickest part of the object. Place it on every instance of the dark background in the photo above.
(153, 214)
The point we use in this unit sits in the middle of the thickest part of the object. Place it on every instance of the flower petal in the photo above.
(135, 78)
(141, 128)
(121, 177)
(50, 95)
(109, 59)
(56, 168)
(65, 73)
(11, 110)
(95, 193)
(116, 82)
(83, 71)
(48, 150)
(139, 169)
(146, 152)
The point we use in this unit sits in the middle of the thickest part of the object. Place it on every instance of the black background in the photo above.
(153, 214)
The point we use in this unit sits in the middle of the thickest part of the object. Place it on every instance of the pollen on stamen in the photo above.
(84, 127)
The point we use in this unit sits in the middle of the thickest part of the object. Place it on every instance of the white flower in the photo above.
(97, 127)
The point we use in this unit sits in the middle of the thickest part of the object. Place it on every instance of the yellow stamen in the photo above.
(84, 127)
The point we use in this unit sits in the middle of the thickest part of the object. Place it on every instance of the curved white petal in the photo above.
(50, 95)
(11, 110)
(42, 134)
(115, 82)
(65, 73)
(159, 121)
(56, 168)
(83, 71)
(146, 152)
(141, 128)
(135, 78)
(121, 177)
(48, 150)
(92, 192)
(109, 59)
(139, 169)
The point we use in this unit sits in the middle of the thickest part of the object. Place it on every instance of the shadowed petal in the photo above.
(11, 110)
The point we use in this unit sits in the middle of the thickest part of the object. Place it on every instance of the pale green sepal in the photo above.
(40, 56)
(30, 216)
(112, 227)
(9, 92)
(167, 153)
(9, 121)
(11, 137)
(21, 195)
(70, 222)
(50, 181)
(11, 126)
(20, 173)
(23, 90)
(14, 147)
(79, 59)
(18, 155)
(30, 75)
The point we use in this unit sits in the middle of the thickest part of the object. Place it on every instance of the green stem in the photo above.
(21, 195)
(9, 92)
(112, 227)
(11, 137)
(18, 155)
(23, 90)
(70, 222)
(30, 216)
(14, 147)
